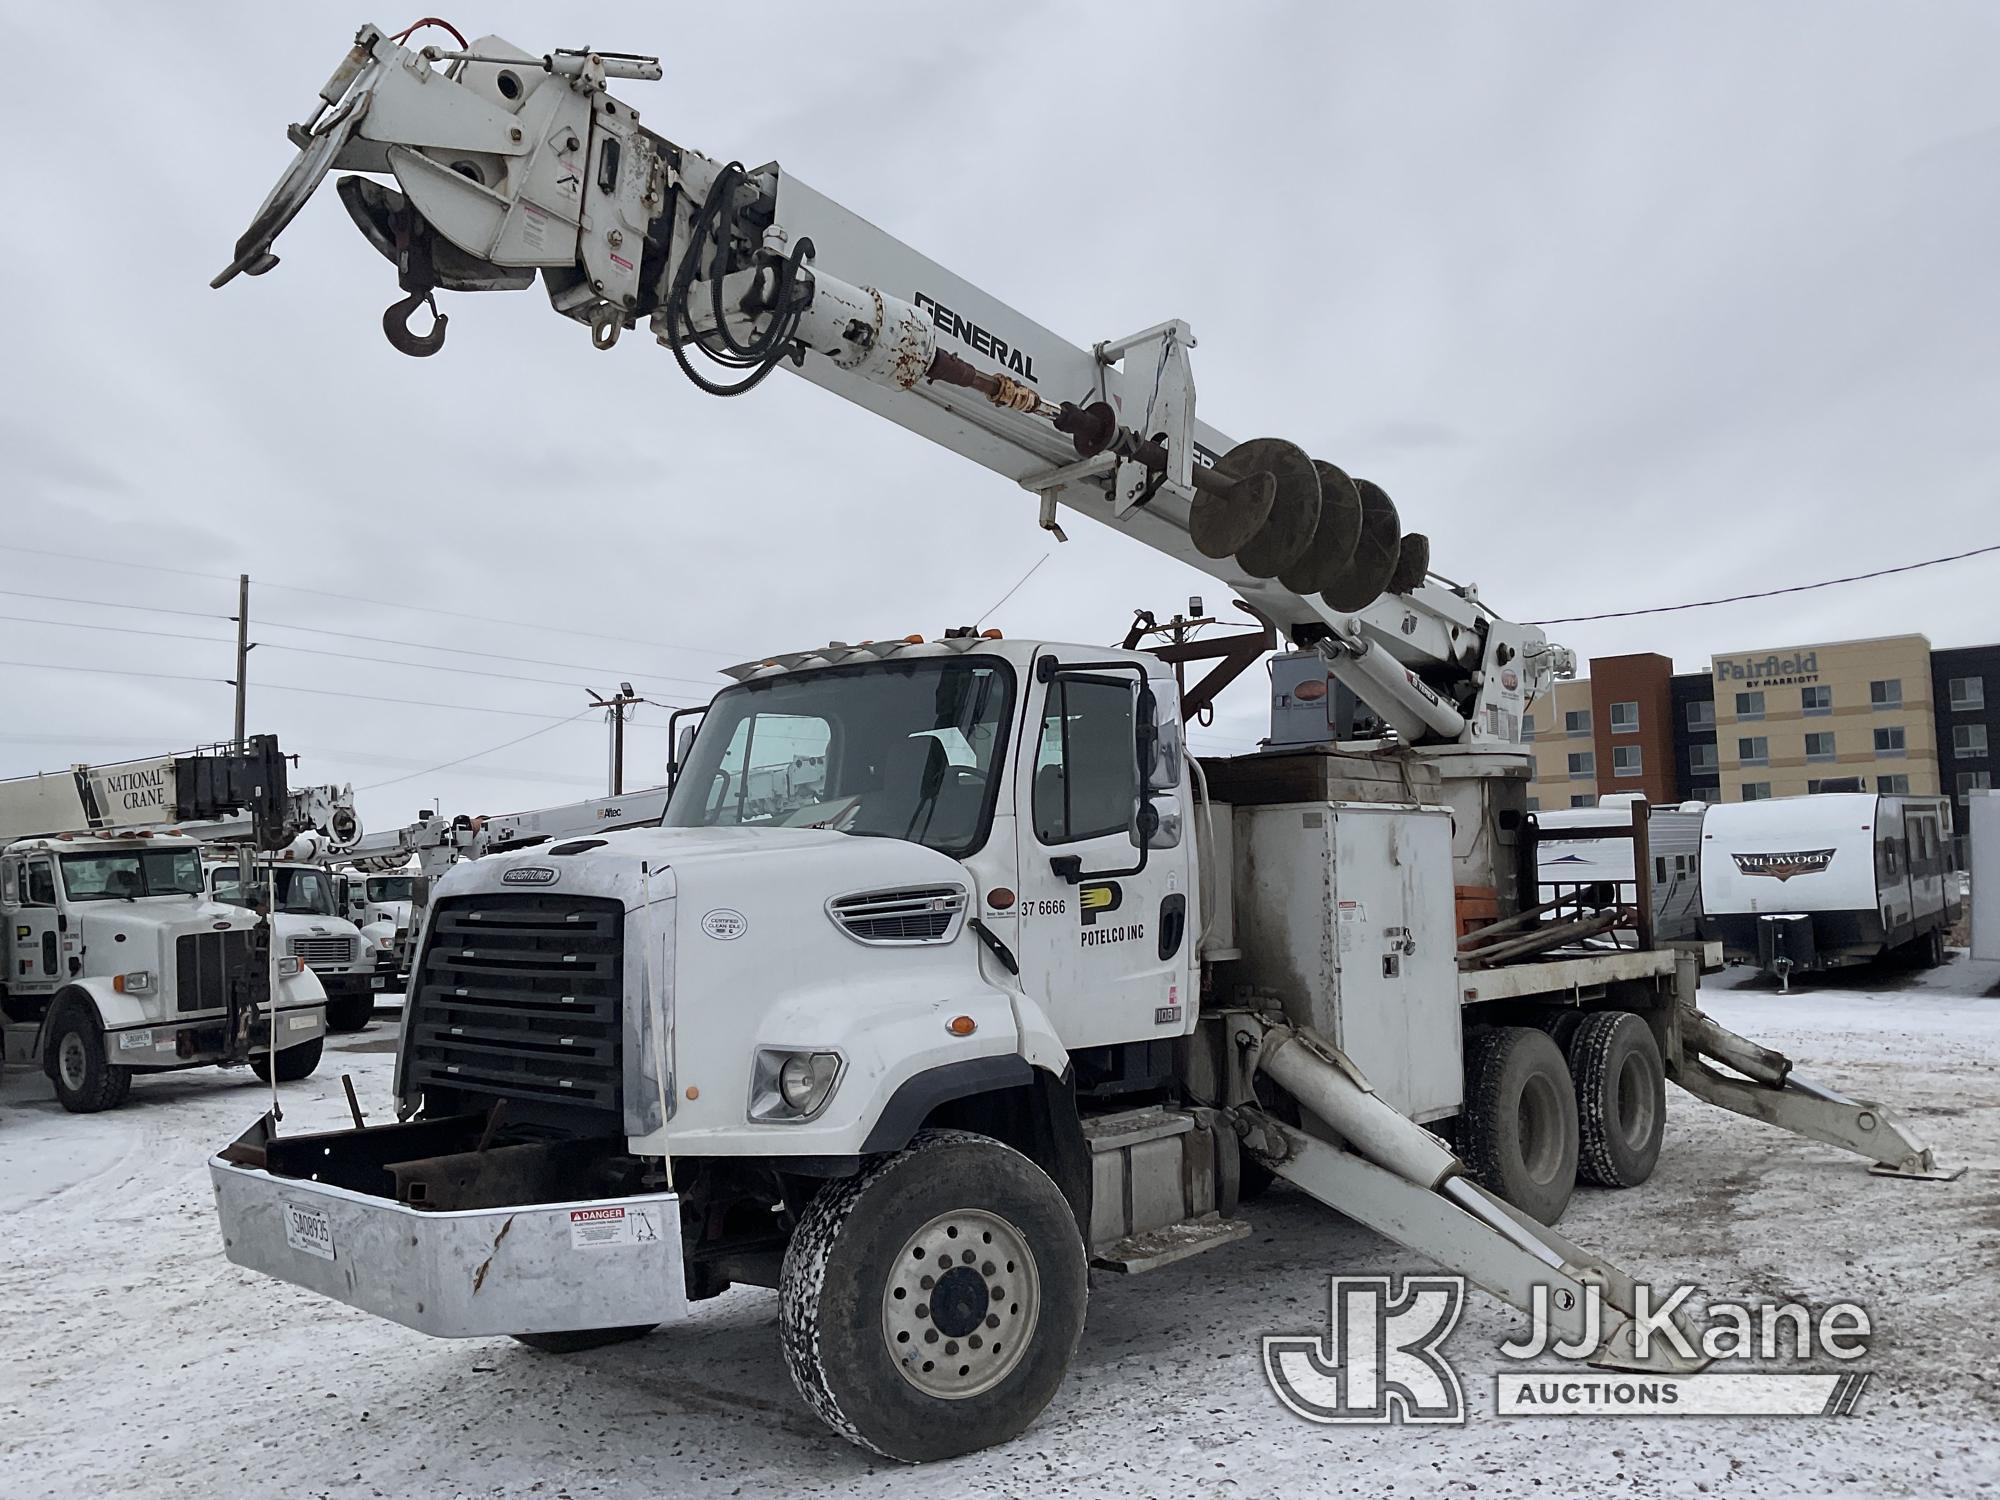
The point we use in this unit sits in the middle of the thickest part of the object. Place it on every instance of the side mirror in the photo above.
(1168, 753)
(1165, 829)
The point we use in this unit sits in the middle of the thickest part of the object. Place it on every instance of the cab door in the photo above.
(1105, 934)
(34, 923)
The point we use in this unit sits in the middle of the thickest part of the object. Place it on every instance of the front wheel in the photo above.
(86, 1080)
(294, 1063)
(929, 1306)
(350, 1011)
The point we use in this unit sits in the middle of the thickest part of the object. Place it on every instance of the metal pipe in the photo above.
(1362, 1118)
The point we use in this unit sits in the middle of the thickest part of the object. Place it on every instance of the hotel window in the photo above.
(1707, 793)
(1750, 705)
(1886, 694)
(1577, 721)
(1967, 693)
(1582, 763)
(1625, 761)
(1968, 741)
(1816, 700)
(1624, 718)
(1819, 747)
(1893, 786)
(1527, 726)
(1754, 752)
(1534, 804)
(1701, 716)
(1702, 757)
(1756, 791)
(1973, 781)
(1890, 741)
(1582, 799)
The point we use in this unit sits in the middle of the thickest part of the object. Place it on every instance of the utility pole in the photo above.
(614, 715)
(242, 651)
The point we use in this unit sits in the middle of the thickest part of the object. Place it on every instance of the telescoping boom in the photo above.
(507, 164)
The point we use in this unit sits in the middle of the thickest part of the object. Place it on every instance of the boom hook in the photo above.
(396, 324)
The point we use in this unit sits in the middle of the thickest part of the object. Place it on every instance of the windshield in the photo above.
(132, 872)
(390, 888)
(900, 750)
(303, 893)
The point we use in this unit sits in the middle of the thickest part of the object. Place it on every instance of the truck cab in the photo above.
(381, 906)
(119, 963)
(307, 927)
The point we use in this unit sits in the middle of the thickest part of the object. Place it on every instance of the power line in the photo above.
(490, 749)
(298, 588)
(381, 640)
(282, 687)
(1797, 588)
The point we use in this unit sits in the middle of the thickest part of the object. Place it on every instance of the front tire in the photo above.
(294, 1063)
(349, 1011)
(86, 1081)
(930, 1305)
(1519, 1135)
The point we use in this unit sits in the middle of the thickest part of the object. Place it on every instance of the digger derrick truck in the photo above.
(1003, 983)
(118, 963)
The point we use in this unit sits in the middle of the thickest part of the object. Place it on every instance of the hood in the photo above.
(690, 861)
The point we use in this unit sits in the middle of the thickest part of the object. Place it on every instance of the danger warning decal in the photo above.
(1784, 866)
(598, 1228)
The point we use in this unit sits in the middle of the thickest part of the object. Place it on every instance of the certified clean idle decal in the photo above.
(725, 923)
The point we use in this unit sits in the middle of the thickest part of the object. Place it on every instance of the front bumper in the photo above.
(528, 1268)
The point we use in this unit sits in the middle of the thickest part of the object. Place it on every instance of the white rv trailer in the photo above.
(1982, 842)
(1674, 851)
(1817, 882)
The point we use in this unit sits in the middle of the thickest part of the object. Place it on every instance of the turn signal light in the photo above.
(961, 1026)
(991, 635)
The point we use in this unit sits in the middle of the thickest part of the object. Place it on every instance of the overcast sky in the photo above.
(1623, 304)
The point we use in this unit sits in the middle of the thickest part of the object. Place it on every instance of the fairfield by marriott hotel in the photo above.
(1884, 715)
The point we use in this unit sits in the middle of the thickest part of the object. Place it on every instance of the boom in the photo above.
(509, 163)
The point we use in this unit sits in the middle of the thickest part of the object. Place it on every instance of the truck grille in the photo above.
(204, 963)
(323, 952)
(519, 997)
(918, 914)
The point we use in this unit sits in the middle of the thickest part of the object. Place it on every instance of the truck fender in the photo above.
(72, 997)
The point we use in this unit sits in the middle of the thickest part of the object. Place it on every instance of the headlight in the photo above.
(138, 982)
(288, 966)
(792, 1086)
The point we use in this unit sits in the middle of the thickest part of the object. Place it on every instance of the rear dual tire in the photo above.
(1621, 1098)
(1519, 1139)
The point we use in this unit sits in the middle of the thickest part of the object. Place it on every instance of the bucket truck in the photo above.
(1011, 985)
(118, 963)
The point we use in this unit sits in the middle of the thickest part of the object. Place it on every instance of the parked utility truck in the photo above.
(309, 928)
(1010, 985)
(118, 962)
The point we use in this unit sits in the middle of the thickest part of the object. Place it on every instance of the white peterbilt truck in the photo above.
(118, 962)
(1010, 985)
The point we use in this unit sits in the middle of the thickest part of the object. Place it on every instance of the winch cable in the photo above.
(716, 219)
(271, 977)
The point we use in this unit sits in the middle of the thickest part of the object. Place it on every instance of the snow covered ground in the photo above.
(139, 1362)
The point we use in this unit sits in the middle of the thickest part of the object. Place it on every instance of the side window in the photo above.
(10, 882)
(1086, 769)
(41, 884)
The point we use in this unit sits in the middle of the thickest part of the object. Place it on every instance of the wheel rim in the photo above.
(1541, 1140)
(962, 1304)
(72, 1061)
(1635, 1101)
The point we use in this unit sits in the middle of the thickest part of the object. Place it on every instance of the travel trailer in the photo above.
(1817, 882)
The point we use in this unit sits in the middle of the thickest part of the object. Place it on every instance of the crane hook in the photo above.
(396, 324)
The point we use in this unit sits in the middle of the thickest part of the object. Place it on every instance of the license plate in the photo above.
(134, 1041)
(310, 1230)
(376, 984)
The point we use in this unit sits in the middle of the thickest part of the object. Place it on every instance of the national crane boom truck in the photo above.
(1011, 985)
(118, 962)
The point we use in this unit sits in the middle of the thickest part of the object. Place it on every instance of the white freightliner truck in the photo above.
(118, 963)
(1010, 985)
